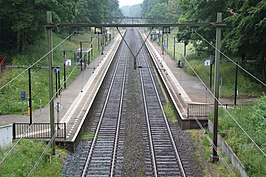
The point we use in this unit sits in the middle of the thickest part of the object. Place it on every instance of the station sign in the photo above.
(22, 95)
(68, 62)
(207, 62)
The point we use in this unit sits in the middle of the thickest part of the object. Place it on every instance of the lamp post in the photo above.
(80, 55)
(236, 89)
(98, 31)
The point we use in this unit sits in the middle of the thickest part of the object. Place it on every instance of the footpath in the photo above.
(193, 87)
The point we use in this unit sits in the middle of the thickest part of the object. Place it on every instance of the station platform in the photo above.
(190, 96)
(75, 101)
(192, 99)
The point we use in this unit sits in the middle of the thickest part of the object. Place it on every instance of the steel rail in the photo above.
(165, 120)
(148, 125)
(101, 119)
(118, 120)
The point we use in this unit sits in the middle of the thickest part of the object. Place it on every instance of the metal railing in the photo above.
(2, 62)
(198, 110)
(38, 130)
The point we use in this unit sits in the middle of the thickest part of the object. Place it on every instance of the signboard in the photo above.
(56, 70)
(207, 62)
(68, 62)
(22, 95)
(58, 107)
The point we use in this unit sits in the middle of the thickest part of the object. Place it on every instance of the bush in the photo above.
(22, 159)
(252, 119)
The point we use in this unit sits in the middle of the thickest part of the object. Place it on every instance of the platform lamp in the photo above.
(98, 31)
(166, 30)
(67, 62)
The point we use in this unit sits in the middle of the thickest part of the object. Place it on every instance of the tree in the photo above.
(161, 11)
(25, 19)
(246, 24)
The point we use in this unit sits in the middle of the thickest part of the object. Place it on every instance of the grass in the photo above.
(252, 120)
(201, 141)
(167, 106)
(169, 111)
(22, 159)
(87, 136)
(10, 102)
(247, 87)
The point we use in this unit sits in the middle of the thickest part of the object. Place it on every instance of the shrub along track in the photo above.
(132, 136)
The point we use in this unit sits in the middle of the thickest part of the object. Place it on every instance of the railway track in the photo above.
(165, 158)
(104, 154)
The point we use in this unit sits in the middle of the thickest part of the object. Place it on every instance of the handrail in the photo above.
(2, 62)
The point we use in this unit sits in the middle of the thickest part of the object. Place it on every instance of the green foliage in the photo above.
(94, 11)
(10, 102)
(246, 86)
(204, 146)
(252, 119)
(87, 136)
(241, 38)
(132, 11)
(169, 111)
(21, 22)
(161, 11)
(24, 156)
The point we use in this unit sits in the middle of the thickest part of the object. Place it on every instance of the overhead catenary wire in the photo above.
(231, 59)
(42, 155)
(37, 117)
(230, 115)
(8, 83)
(219, 154)
(216, 149)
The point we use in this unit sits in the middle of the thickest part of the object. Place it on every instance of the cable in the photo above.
(53, 138)
(41, 157)
(213, 145)
(35, 62)
(231, 59)
(216, 148)
(225, 109)
(37, 117)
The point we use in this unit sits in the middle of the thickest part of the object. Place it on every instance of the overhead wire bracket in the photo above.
(134, 56)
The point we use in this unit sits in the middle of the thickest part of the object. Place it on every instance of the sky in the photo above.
(129, 2)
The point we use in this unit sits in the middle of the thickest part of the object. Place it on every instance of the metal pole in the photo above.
(65, 69)
(162, 45)
(211, 75)
(56, 83)
(215, 157)
(80, 55)
(98, 42)
(174, 48)
(59, 85)
(57, 111)
(185, 55)
(102, 41)
(167, 42)
(51, 92)
(236, 89)
(91, 47)
(30, 98)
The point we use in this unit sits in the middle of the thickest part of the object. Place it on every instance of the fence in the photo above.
(198, 110)
(2, 63)
(38, 130)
